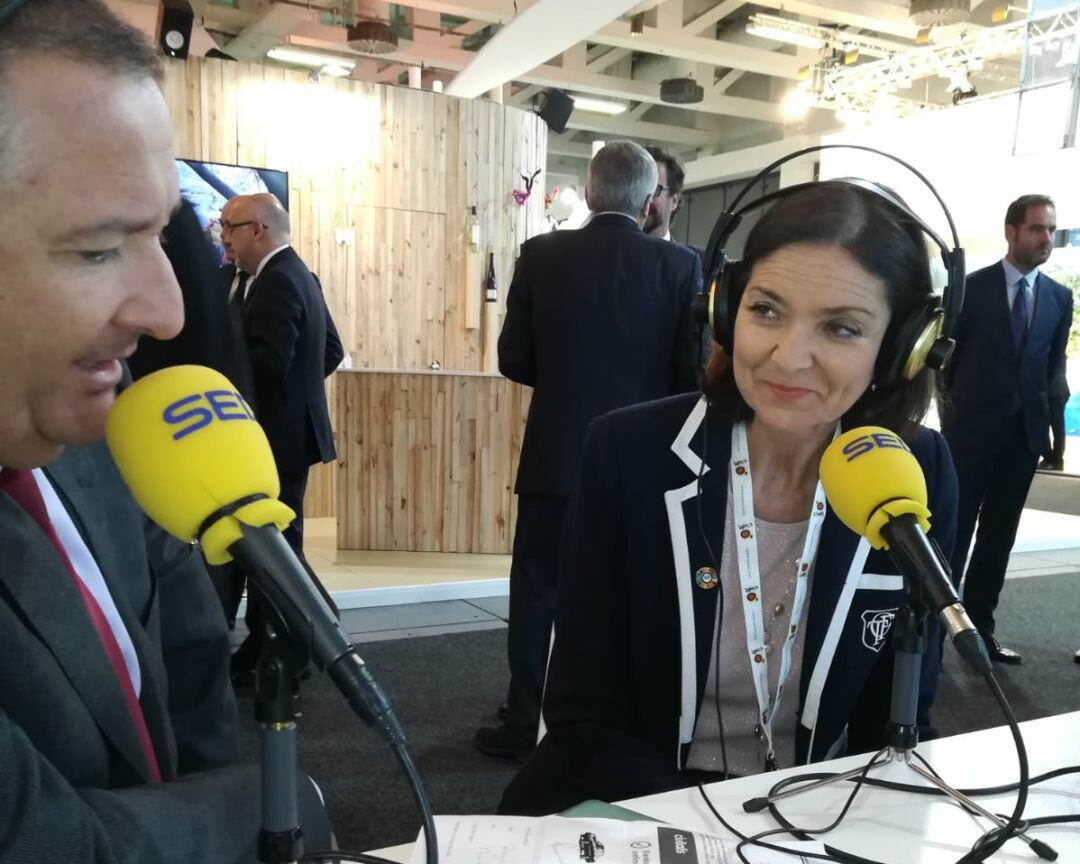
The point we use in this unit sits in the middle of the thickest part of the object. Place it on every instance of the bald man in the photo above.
(293, 346)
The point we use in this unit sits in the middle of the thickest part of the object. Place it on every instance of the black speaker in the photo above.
(554, 109)
(175, 20)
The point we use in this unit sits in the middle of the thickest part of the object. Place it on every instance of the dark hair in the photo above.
(885, 243)
(1016, 215)
(674, 169)
(95, 36)
(92, 35)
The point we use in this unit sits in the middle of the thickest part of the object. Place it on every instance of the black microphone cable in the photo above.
(984, 847)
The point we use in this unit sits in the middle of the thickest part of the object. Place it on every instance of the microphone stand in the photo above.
(909, 642)
(277, 708)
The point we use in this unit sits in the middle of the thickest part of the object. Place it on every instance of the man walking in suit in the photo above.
(287, 328)
(1011, 339)
(596, 319)
(117, 722)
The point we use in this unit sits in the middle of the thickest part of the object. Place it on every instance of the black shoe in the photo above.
(1051, 465)
(999, 653)
(498, 742)
(503, 713)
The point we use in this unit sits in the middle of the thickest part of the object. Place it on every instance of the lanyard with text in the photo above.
(742, 494)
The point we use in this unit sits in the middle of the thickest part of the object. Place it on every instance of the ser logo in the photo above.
(875, 441)
(199, 410)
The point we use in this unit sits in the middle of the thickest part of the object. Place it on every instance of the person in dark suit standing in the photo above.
(287, 328)
(1011, 340)
(667, 200)
(207, 338)
(118, 739)
(212, 336)
(596, 319)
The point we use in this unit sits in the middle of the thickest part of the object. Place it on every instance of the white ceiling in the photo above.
(745, 77)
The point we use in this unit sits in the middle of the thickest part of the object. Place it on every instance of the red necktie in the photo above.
(23, 489)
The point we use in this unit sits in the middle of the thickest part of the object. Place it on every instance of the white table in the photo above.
(896, 827)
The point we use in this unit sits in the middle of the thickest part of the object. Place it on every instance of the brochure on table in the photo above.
(558, 840)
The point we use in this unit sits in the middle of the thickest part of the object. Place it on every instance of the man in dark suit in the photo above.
(1011, 339)
(667, 200)
(596, 319)
(212, 336)
(208, 337)
(287, 328)
(117, 724)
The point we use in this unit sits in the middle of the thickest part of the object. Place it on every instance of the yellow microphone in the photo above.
(192, 454)
(197, 462)
(876, 487)
(870, 476)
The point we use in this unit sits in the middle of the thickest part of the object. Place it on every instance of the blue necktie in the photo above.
(1019, 313)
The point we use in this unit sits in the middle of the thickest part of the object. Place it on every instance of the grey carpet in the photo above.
(444, 687)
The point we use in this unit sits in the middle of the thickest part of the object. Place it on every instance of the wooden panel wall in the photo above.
(381, 180)
(427, 461)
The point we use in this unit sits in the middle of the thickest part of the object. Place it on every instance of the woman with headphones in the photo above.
(700, 518)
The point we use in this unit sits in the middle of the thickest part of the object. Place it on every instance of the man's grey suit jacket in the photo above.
(73, 778)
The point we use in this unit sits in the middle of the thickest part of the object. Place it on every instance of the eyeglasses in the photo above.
(660, 190)
(232, 226)
(8, 7)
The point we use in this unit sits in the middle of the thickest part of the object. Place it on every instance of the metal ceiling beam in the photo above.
(587, 122)
(602, 62)
(707, 19)
(454, 59)
(699, 49)
(267, 31)
(559, 146)
(876, 15)
(544, 30)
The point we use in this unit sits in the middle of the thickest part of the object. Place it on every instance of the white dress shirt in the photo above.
(86, 568)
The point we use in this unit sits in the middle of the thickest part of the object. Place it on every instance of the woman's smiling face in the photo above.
(807, 334)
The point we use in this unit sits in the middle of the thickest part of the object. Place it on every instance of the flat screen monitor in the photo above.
(208, 185)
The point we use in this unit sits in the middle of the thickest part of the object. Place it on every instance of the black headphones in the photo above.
(923, 340)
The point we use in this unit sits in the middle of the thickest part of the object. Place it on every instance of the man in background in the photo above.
(117, 723)
(667, 199)
(293, 345)
(596, 319)
(1011, 338)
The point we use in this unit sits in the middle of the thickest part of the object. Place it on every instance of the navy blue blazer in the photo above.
(288, 327)
(633, 634)
(987, 380)
(596, 319)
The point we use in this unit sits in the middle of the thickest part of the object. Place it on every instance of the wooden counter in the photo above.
(427, 460)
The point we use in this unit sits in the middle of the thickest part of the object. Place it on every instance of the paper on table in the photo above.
(558, 840)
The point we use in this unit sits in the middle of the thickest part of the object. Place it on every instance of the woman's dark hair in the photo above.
(885, 243)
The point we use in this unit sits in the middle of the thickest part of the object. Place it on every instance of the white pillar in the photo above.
(414, 77)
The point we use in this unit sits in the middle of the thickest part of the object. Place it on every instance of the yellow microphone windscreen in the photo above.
(870, 476)
(188, 445)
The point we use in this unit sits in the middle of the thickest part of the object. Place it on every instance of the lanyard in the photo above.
(742, 494)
